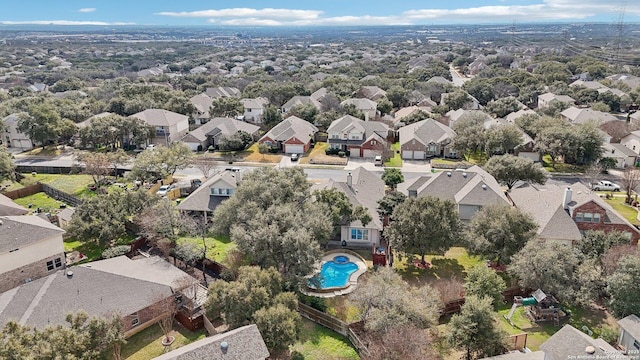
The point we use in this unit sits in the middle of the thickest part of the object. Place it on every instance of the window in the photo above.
(335, 136)
(50, 265)
(135, 321)
(636, 344)
(596, 218)
(373, 142)
(215, 191)
(627, 235)
(58, 262)
(579, 216)
(587, 217)
(360, 234)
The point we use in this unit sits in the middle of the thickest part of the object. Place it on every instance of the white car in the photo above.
(605, 185)
(164, 189)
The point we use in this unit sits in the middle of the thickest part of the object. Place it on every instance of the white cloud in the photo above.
(65, 23)
(544, 10)
(87, 10)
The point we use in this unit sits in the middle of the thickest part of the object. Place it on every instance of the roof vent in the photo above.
(464, 174)
(449, 173)
(484, 186)
(69, 274)
(224, 346)
(590, 350)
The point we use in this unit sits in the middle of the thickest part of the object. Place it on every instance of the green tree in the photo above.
(589, 143)
(424, 225)
(594, 243)
(482, 281)
(280, 323)
(41, 124)
(7, 165)
(502, 139)
(237, 141)
(624, 286)
(456, 100)
(470, 135)
(153, 164)
(475, 330)
(392, 177)
(263, 149)
(557, 142)
(271, 116)
(226, 107)
(386, 301)
(502, 107)
(306, 112)
(480, 89)
(389, 202)
(398, 96)
(385, 106)
(509, 169)
(341, 209)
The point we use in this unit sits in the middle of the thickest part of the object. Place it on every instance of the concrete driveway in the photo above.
(418, 166)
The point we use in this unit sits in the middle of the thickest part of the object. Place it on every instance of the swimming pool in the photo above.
(335, 273)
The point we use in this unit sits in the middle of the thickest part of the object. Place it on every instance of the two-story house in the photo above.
(211, 193)
(13, 138)
(362, 188)
(366, 139)
(30, 248)
(253, 109)
(169, 126)
(425, 139)
(632, 141)
(629, 338)
(201, 103)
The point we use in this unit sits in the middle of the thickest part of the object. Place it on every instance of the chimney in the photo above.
(224, 347)
(566, 198)
(349, 180)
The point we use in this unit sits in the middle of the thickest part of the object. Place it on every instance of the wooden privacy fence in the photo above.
(323, 319)
(25, 191)
(61, 195)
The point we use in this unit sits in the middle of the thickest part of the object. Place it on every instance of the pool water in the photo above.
(336, 275)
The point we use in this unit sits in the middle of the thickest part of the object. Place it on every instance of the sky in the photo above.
(314, 13)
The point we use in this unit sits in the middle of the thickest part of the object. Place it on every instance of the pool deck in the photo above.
(353, 279)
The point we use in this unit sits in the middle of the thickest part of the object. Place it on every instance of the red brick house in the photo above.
(291, 136)
(365, 139)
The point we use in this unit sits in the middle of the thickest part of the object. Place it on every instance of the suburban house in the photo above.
(10, 208)
(209, 133)
(363, 188)
(253, 109)
(589, 84)
(169, 126)
(425, 139)
(211, 193)
(629, 338)
(13, 138)
(632, 141)
(243, 343)
(547, 99)
(140, 290)
(291, 136)
(470, 189)
(622, 155)
(222, 91)
(371, 92)
(408, 111)
(526, 149)
(512, 117)
(368, 107)
(202, 104)
(319, 94)
(471, 104)
(30, 248)
(563, 214)
(576, 115)
(366, 139)
(300, 100)
(452, 116)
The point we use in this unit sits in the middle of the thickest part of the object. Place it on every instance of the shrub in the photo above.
(315, 302)
(116, 251)
(227, 275)
(341, 153)
(211, 148)
(331, 151)
(199, 148)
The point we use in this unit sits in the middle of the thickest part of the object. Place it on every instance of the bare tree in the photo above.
(198, 226)
(594, 173)
(630, 180)
(98, 165)
(165, 308)
(402, 342)
(206, 164)
(161, 225)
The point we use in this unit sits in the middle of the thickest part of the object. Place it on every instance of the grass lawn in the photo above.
(51, 150)
(317, 152)
(252, 154)
(93, 250)
(561, 167)
(445, 161)
(217, 248)
(316, 342)
(396, 160)
(454, 263)
(72, 184)
(8, 185)
(39, 200)
(146, 344)
(629, 213)
(477, 158)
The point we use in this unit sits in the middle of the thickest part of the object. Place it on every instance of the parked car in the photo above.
(605, 185)
(377, 161)
(164, 189)
(294, 157)
(151, 147)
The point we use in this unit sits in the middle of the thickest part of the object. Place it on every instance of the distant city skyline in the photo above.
(313, 13)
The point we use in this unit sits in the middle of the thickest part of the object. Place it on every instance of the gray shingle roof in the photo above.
(202, 102)
(224, 126)
(631, 324)
(202, 200)
(290, 127)
(361, 104)
(160, 117)
(583, 115)
(98, 288)
(301, 100)
(9, 208)
(536, 355)
(426, 132)
(368, 128)
(20, 231)
(570, 343)
(244, 343)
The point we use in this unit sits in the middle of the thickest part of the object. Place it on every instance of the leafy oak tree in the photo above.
(624, 286)
(482, 281)
(509, 169)
(161, 162)
(502, 139)
(7, 165)
(226, 107)
(424, 225)
(392, 177)
(41, 124)
(389, 202)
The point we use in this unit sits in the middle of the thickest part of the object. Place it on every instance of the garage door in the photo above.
(407, 154)
(368, 153)
(193, 146)
(294, 149)
(418, 155)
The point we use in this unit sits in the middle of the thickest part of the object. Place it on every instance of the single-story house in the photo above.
(366, 139)
(564, 213)
(629, 338)
(470, 189)
(13, 138)
(622, 155)
(370, 92)
(452, 116)
(576, 115)
(426, 138)
(222, 91)
(139, 290)
(30, 248)
(368, 107)
(300, 100)
(243, 343)
(10, 208)
(170, 126)
(211, 193)
(512, 117)
(291, 136)
(363, 188)
(208, 134)
(546, 99)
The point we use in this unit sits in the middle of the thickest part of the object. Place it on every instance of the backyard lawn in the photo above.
(146, 344)
(396, 159)
(93, 250)
(39, 200)
(629, 213)
(72, 184)
(316, 342)
(454, 263)
(217, 248)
